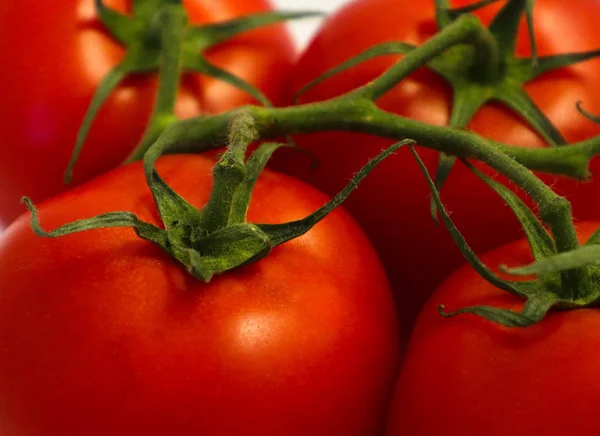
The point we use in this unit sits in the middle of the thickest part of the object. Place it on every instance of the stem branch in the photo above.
(466, 29)
(174, 20)
(487, 54)
(361, 115)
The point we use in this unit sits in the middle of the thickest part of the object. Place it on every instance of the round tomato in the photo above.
(102, 333)
(55, 56)
(392, 205)
(466, 375)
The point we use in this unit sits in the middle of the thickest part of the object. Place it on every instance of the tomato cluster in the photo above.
(335, 332)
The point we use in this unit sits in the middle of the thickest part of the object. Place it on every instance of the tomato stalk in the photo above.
(361, 115)
(343, 114)
(443, 9)
(357, 111)
(580, 258)
(351, 112)
(467, 29)
(365, 117)
(442, 15)
(486, 70)
(158, 37)
(173, 20)
(567, 273)
(216, 238)
(565, 279)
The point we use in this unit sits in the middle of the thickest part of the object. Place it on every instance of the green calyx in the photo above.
(357, 111)
(565, 279)
(480, 65)
(216, 238)
(484, 70)
(491, 71)
(158, 37)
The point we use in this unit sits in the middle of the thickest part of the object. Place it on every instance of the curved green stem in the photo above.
(466, 29)
(442, 16)
(361, 115)
(356, 111)
(228, 175)
(146, 8)
(464, 106)
(118, 25)
(588, 148)
(487, 55)
(106, 86)
(174, 20)
(208, 35)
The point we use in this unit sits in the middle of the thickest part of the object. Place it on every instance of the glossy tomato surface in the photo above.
(102, 333)
(468, 376)
(392, 205)
(56, 53)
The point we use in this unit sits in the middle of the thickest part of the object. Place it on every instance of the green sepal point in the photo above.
(481, 72)
(540, 295)
(216, 238)
(158, 37)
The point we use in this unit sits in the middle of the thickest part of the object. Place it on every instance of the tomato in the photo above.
(393, 204)
(102, 333)
(56, 55)
(466, 375)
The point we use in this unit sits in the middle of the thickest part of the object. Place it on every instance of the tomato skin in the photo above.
(466, 375)
(102, 333)
(55, 57)
(392, 205)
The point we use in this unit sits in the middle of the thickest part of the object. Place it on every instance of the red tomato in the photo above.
(55, 56)
(102, 333)
(468, 376)
(393, 204)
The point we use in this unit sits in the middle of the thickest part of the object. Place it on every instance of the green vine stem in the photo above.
(216, 238)
(173, 22)
(363, 116)
(356, 111)
(158, 36)
(483, 69)
(466, 29)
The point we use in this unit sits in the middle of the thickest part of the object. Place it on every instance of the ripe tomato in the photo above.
(102, 333)
(466, 375)
(55, 56)
(393, 204)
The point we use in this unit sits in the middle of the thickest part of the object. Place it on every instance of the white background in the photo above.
(303, 29)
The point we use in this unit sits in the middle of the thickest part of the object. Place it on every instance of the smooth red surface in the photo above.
(468, 376)
(392, 204)
(102, 333)
(55, 54)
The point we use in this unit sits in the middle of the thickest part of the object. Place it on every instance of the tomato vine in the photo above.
(357, 111)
